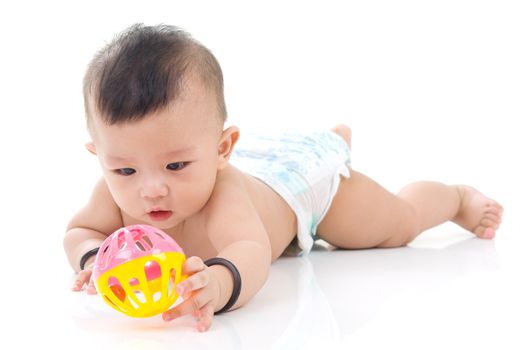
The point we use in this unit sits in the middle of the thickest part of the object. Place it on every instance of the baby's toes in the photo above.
(484, 232)
(493, 215)
(486, 228)
(494, 208)
(489, 222)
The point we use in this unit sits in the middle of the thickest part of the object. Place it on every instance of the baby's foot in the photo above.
(343, 131)
(478, 213)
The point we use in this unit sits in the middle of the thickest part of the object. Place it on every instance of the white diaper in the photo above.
(303, 169)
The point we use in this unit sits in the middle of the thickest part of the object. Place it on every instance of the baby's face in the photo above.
(162, 169)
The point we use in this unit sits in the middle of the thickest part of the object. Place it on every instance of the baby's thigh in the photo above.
(364, 215)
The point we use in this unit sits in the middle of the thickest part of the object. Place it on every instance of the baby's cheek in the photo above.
(127, 202)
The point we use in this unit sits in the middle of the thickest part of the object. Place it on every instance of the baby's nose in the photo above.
(154, 188)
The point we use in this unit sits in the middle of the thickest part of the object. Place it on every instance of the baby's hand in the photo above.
(84, 277)
(200, 292)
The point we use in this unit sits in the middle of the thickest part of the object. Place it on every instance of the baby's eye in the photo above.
(125, 171)
(177, 165)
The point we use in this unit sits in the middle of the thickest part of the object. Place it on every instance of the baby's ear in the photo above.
(227, 144)
(90, 146)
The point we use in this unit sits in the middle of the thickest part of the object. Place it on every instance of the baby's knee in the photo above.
(405, 231)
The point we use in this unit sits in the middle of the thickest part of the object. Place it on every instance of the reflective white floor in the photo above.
(446, 290)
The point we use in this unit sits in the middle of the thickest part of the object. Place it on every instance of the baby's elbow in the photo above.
(68, 237)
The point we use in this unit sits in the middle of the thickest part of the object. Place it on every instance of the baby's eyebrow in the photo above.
(174, 153)
(181, 151)
(116, 158)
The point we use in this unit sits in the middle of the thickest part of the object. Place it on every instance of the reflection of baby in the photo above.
(155, 112)
(313, 322)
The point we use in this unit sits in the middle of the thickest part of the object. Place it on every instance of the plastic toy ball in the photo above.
(137, 269)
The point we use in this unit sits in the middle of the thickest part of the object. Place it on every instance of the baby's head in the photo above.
(155, 111)
(144, 69)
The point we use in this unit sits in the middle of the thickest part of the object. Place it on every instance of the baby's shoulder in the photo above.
(230, 185)
(230, 193)
(101, 213)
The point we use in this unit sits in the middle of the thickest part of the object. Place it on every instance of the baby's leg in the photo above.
(363, 214)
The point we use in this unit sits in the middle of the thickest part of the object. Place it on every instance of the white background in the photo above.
(431, 89)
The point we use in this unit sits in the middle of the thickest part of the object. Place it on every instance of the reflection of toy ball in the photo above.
(137, 269)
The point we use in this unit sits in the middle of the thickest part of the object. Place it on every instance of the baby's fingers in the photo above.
(195, 282)
(91, 287)
(204, 317)
(190, 306)
(82, 278)
(193, 265)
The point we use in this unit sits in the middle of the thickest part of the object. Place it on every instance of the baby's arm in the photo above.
(237, 233)
(89, 228)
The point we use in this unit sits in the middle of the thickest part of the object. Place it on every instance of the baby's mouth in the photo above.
(160, 215)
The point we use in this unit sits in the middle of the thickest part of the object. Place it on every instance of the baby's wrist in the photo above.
(224, 282)
(89, 263)
(232, 285)
(88, 256)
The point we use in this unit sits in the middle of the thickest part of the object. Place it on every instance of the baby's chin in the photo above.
(162, 226)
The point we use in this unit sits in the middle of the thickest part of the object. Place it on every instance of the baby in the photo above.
(155, 112)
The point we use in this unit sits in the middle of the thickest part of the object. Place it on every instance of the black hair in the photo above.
(144, 69)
